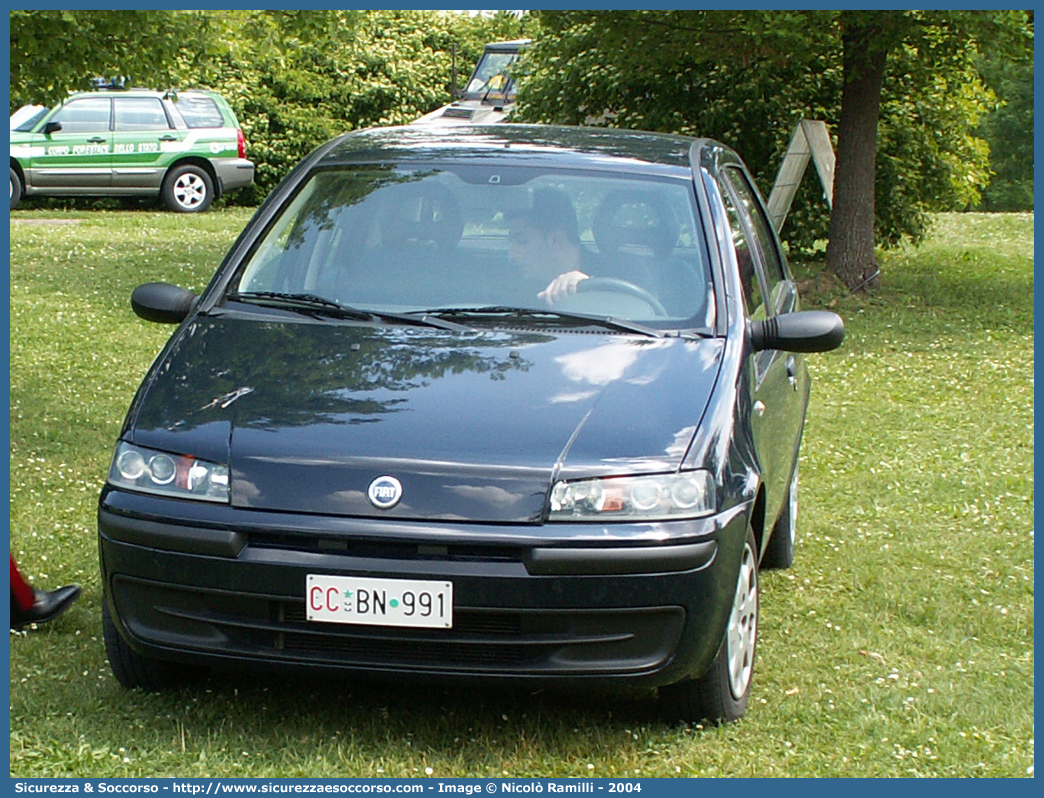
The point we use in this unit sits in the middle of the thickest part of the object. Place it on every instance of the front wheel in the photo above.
(720, 695)
(188, 189)
(16, 188)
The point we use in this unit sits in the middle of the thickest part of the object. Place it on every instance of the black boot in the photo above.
(49, 605)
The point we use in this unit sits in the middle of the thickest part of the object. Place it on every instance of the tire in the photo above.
(780, 550)
(16, 189)
(720, 695)
(134, 671)
(188, 189)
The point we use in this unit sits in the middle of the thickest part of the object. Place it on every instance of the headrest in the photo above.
(636, 218)
(420, 214)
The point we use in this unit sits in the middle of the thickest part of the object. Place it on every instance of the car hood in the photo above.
(475, 425)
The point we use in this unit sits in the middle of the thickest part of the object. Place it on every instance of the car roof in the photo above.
(512, 46)
(545, 145)
(140, 92)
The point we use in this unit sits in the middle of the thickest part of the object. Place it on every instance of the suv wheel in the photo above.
(188, 189)
(16, 188)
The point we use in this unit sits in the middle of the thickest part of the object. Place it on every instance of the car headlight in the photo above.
(181, 476)
(655, 497)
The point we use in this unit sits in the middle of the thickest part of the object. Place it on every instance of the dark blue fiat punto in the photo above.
(517, 403)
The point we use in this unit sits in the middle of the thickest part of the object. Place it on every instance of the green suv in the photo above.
(187, 147)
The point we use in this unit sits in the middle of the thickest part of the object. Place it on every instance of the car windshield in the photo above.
(469, 240)
(490, 74)
(26, 118)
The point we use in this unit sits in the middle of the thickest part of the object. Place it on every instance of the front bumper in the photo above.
(227, 588)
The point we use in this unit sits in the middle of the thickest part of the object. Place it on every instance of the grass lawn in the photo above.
(899, 644)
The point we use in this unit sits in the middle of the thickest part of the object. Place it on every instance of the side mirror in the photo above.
(804, 331)
(52, 127)
(163, 303)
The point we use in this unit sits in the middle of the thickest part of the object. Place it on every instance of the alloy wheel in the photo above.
(189, 190)
(743, 625)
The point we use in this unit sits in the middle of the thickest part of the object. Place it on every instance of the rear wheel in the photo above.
(132, 670)
(779, 553)
(720, 695)
(188, 189)
(16, 188)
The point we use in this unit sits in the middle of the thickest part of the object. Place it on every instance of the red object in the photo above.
(241, 143)
(22, 595)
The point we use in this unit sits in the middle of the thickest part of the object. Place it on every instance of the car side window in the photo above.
(88, 115)
(199, 112)
(140, 113)
(762, 231)
(752, 296)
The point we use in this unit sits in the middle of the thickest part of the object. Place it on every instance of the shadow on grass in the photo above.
(411, 704)
(927, 297)
(383, 728)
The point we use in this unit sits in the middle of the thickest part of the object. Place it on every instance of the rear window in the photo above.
(200, 112)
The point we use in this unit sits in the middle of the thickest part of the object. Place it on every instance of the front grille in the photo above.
(414, 652)
(464, 622)
(379, 549)
(478, 638)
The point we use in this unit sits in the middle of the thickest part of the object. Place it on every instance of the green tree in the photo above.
(1008, 129)
(945, 44)
(54, 52)
(747, 77)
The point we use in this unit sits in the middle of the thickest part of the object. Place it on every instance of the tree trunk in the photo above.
(850, 251)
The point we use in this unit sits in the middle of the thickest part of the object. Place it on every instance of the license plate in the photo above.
(379, 602)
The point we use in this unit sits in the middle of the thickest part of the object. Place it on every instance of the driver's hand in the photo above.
(562, 286)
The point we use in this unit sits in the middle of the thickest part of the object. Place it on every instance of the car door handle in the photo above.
(97, 140)
(168, 137)
(792, 371)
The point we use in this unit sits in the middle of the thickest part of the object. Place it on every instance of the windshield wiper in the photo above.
(545, 315)
(305, 302)
(419, 320)
(312, 303)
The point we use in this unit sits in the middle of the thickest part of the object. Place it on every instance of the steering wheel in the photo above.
(616, 285)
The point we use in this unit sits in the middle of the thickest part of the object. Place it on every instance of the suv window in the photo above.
(140, 113)
(84, 116)
(200, 112)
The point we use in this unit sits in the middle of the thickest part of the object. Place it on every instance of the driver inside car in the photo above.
(545, 244)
